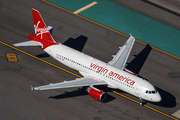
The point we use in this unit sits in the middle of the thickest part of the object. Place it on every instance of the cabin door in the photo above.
(138, 88)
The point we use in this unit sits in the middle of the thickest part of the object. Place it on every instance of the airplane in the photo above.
(95, 72)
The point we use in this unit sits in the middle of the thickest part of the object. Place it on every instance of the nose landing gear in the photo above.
(142, 102)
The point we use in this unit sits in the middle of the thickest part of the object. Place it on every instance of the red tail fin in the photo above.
(41, 30)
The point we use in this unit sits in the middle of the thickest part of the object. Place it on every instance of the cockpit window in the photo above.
(150, 92)
(153, 92)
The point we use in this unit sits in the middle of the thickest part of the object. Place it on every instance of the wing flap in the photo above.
(74, 83)
(120, 59)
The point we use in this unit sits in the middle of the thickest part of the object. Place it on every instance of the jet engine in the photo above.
(96, 93)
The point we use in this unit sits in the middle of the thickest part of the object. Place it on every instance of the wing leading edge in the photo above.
(85, 81)
(120, 59)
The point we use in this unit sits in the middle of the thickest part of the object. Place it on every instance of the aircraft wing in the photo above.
(120, 59)
(85, 81)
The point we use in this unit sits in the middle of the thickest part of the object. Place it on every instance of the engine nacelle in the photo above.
(96, 93)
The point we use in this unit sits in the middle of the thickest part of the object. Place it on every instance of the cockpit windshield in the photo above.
(151, 92)
(155, 89)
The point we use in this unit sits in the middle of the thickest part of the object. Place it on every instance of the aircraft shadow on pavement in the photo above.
(106, 89)
(43, 55)
(137, 63)
(160, 7)
(77, 93)
(77, 44)
(74, 93)
(168, 100)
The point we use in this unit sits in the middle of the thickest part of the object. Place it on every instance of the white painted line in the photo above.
(85, 7)
(176, 114)
(165, 5)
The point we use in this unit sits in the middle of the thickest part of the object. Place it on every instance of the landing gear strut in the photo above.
(84, 88)
(141, 101)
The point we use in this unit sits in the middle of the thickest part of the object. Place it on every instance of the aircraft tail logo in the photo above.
(42, 35)
(41, 30)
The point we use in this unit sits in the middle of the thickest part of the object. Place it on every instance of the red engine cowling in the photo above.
(96, 93)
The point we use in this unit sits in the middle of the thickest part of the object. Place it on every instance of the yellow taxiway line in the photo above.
(146, 106)
(80, 77)
(39, 59)
(124, 36)
(109, 28)
(85, 7)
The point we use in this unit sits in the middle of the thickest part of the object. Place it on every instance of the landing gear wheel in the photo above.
(141, 102)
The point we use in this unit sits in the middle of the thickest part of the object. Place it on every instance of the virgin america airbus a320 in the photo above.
(94, 71)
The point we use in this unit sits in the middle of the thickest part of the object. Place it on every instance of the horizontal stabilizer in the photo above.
(28, 43)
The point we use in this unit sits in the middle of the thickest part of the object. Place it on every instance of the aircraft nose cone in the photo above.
(157, 98)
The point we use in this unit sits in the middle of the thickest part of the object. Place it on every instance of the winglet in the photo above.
(130, 34)
(32, 88)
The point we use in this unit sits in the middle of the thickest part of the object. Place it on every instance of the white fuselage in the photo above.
(92, 67)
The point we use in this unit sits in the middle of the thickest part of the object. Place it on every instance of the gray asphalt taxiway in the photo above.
(19, 102)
